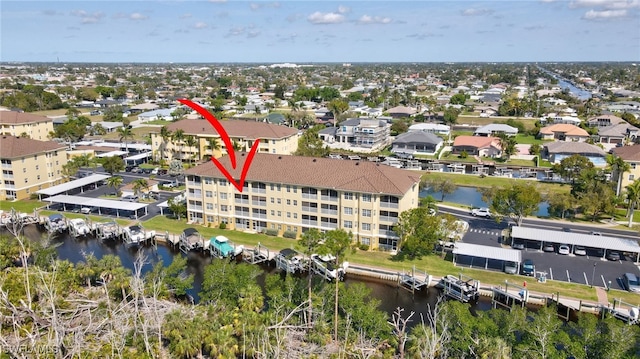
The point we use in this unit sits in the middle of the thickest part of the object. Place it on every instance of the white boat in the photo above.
(136, 234)
(78, 227)
(326, 266)
(56, 223)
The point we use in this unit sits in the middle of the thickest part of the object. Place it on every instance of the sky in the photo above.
(219, 31)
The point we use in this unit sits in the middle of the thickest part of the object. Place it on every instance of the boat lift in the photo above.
(256, 255)
(462, 288)
(290, 261)
(413, 281)
(108, 231)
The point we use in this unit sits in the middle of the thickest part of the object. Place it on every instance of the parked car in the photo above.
(130, 198)
(85, 210)
(510, 267)
(580, 251)
(528, 267)
(594, 233)
(548, 247)
(564, 249)
(518, 245)
(613, 256)
(170, 185)
(481, 212)
(631, 282)
(155, 171)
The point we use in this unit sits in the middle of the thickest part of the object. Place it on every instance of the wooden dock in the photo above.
(258, 254)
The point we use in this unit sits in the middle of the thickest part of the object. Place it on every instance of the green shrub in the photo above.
(290, 234)
(363, 247)
(222, 225)
(271, 232)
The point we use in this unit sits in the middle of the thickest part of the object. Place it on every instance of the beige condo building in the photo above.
(630, 155)
(18, 123)
(293, 194)
(274, 139)
(29, 166)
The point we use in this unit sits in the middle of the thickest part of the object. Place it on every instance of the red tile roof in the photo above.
(476, 141)
(235, 128)
(566, 128)
(13, 117)
(357, 176)
(13, 147)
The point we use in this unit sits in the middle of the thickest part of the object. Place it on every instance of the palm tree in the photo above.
(618, 167)
(508, 145)
(139, 185)
(214, 145)
(633, 197)
(178, 136)
(165, 134)
(190, 141)
(124, 134)
(115, 182)
(338, 107)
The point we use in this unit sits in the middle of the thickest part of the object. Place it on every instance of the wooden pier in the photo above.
(258, 254)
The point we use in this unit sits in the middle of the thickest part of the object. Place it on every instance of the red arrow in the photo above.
(239, 184)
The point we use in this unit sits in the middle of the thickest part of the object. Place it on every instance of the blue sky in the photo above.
(212, 31)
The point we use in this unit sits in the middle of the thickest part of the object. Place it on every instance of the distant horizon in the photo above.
(630, 62)
(377, 31)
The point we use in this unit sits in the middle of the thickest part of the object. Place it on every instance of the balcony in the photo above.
(328, 225)
(242, 213)
(310, 209)
(310, 222)
(388, 205)
(310, 195)
(193, 207)
(193, 184)
(259, 215)
(388, 219)
(6, 165)
(329, 211)
(7, 176)
(329, 198)
(9, 186)
(197, 195)
(387, 233)
(258, 190)
(242, 201)
(259, 203)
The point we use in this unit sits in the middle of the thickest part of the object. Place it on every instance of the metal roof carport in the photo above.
(576, 239)
(68, 186)
(100, 204)
(487, 252)
(137, 157)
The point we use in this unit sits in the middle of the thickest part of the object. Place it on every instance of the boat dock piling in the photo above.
(257, 254)
(462, 288)
(413, 281)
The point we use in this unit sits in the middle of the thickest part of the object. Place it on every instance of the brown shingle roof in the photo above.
(360, 176)
(628, 153)
(13, 117)
(12, 147)
(565, 128)
(246, 129)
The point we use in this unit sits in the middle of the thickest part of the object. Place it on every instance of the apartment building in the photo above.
(274, 139)
(293, 194)
(631, 155)
(29, 166)
(19, 123)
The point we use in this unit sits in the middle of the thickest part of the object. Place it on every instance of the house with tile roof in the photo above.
(604, 121)
(416, 143)
(631, 155)
(294, 194)
(274, 139)
(15, 123)
(29, 166)
(435, 128)
(477, 146)
(618, 134)
(495, 129)
(563, 132)
(557, 151)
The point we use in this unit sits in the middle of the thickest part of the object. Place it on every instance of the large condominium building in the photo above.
(19, 123)
(293, 194)
(273, 139)
(29, 165)
(631, 155)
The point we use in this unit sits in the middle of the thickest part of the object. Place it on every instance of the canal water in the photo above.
(390, 296)
(469, 196)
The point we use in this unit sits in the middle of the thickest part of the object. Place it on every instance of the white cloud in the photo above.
(137, 16)
(344, 9)
(366, 19)
(606, 4)
(200, 25)
(325, 18)
(604, 14)
(476, 12)
(88, 18)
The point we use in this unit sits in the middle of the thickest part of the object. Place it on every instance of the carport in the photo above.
(99, 203)
(137, 159)
(71, 185)
(576, 239)
(486, 252)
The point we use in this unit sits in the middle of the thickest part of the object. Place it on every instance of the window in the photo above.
(272, 200)
(288, 188)
(207, 180)
(633, 166)
(273, 212)
(631, 177)
(210, 206)
(295, 203)
(365, 241)
(366, 226)
(279, 213)
(223, 208)
(279, 201)
(348, 210)
(348, 224)
(348, 195)
(271, 186)
(366, 213)
(295, 215)
(288, 202)
(37, 167)
(288, 214)
(223, 195)
(209, 219)
(366, 198)
(295, 189)
(208, 194)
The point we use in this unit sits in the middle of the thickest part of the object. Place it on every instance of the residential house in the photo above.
(563, 132)
(554, 118)
(159, 114)
(477, 146)
(273, 139)
(362, 134)
(631, 155)
(401, 111)
(15, 123)
(495, 129)
(29, 166)
(292, 194)
(435, 128)
(557, 151)
(275, 119)
(416, 143)
(620, 133)
(604, 121)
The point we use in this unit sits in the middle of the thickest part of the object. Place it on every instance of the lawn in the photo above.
(24, 206)
(489, 181)
(527, 139)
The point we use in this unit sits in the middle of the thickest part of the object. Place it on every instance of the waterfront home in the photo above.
(563, 132)
(495, 129)
(477, 146)
(435, 128)
(557, 151)
(416, 143)
(604, 121)
(618, 134)
(360, 134)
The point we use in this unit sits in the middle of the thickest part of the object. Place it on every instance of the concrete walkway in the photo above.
(603, 298)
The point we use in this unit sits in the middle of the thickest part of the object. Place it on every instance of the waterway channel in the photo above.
(388, 293)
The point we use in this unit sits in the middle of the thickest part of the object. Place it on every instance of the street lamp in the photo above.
(593, 274)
